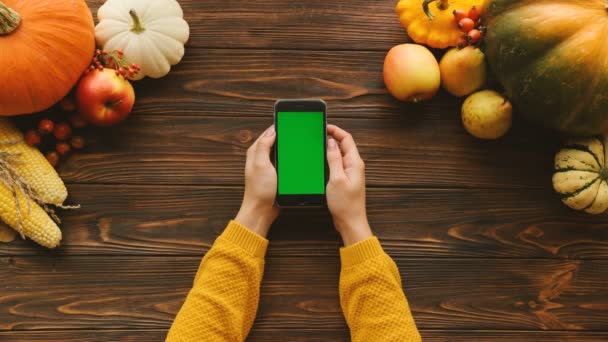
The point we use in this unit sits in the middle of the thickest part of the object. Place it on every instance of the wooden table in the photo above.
(487, 252)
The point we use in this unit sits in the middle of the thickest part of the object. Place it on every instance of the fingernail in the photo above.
(270, 132)
(332, 144)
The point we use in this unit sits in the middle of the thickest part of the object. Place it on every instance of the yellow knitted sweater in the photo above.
(223, 302)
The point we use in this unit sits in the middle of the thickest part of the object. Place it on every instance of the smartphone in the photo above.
(300, 152)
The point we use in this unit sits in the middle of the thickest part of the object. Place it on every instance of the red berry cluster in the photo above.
(114, 60)
(55, 138)
(128, 71)
(470, 24)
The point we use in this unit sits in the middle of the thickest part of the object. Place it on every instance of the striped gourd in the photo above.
(35, 222)
(32, 166)
(581, 174)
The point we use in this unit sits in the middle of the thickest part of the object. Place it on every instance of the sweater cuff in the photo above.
(360, 252)
(249, 241)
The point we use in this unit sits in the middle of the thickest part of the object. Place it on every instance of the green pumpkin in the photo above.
(551, 56)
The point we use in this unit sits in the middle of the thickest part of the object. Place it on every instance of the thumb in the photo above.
(334, 160)
(264, 145)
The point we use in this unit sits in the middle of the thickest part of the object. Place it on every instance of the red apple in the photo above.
(104, 98)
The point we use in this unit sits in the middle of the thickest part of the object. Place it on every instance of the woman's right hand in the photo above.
(346, 187)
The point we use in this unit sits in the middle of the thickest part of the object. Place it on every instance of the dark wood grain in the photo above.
(511, 336)
(240, 82)
(185, 220)
(102, 292)
(276, 24)
(211, 151)
(140, 335)
(303, 335)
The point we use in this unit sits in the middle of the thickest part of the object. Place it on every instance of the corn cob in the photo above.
(32, 166)
(33, 222)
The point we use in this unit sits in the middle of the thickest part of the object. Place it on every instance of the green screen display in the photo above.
(301, 153)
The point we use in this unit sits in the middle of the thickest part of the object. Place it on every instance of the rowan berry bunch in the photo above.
(113, 60)
(470, 24)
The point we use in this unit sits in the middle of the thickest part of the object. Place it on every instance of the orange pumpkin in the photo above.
(45, 46)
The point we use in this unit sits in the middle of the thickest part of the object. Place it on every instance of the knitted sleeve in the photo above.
(371, 295)
(223, 301)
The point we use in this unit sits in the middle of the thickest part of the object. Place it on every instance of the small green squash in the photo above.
(551, 56)
(581, 174)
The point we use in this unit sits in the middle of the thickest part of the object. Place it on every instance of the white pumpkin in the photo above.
(151, 33)
(581, 174)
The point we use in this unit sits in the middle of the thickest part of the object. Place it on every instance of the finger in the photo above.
(251, 151)
(345, 139)
(250, 157)
(355, 170)
(347, 143)
(264, 145)
(337, 132)
(334, 160)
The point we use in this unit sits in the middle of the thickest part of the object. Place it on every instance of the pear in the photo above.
(487, 114)
(463, 71)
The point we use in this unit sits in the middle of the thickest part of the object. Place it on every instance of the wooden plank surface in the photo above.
(185, 220)
(512, 336)
(102, 292)
(303, 335)
(277, 24)
(201, 150)
(240, 82)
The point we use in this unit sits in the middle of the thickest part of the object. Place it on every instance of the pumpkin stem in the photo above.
(604, 174)
(9, 20)
(137, 25)
(442, 5)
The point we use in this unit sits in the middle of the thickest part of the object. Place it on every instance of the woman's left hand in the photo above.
(258, 210)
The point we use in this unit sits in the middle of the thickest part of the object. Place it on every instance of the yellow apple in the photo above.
(411, 73)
